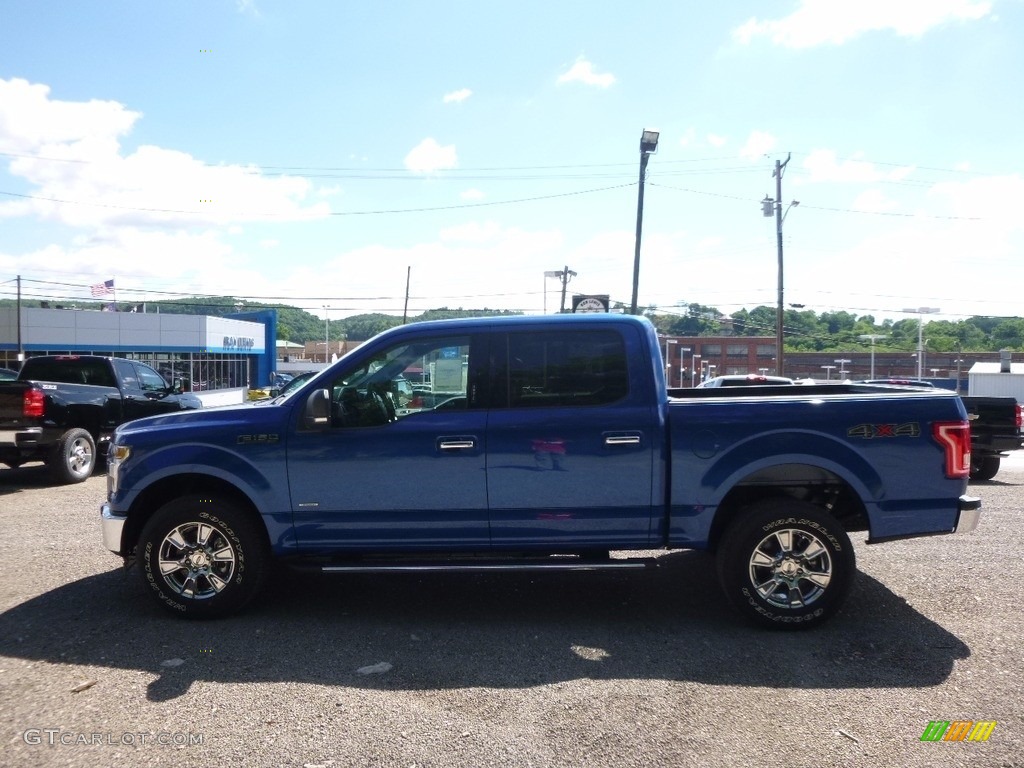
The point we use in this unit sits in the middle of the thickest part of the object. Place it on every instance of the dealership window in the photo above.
(711, 350)
(737, 350)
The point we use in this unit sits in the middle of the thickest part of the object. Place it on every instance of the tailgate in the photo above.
(12, 396)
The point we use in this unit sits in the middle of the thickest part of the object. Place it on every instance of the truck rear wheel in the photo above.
(202, 557)
(786, 563)
(73, 457)
(984, 467)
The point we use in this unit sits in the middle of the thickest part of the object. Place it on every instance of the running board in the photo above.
(609, 565)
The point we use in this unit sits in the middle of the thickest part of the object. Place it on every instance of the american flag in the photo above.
(104, 288)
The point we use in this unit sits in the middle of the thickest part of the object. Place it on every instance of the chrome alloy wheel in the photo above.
(197, 560)
(79, 455)
(790, 568)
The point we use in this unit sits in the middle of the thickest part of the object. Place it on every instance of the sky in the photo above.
(326, 154)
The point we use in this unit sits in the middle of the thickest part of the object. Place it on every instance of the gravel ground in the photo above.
(627, 669)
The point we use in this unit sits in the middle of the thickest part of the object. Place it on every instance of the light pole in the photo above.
(327, 334)
(557, 273)
(842, 367)
(648, 146)
(873, 337)
(921, 312)
(695, 363)
(668, 360)
(682, 363)
(780, 216)
(828, 371)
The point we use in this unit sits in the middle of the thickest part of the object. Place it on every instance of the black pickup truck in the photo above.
(61, 407)
(996, 427)
(995, 430)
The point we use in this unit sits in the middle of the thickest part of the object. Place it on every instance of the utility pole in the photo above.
(566, 275)
(408, 277)
(779, 311)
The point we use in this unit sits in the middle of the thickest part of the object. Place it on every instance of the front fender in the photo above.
(260, 474)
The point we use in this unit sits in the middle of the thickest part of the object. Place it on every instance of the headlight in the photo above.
(116, 456)
(118, 453)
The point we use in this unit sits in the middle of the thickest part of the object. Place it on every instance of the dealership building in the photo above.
(218, 358)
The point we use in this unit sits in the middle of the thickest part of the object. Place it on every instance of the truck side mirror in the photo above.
(317, 414)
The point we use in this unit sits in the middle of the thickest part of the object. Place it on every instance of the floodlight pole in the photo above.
(648, 146)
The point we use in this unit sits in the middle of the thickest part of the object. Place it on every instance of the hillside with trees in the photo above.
(804, 329)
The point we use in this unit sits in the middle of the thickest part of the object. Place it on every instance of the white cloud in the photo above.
(995, 200)
(448, 269)
(688, 137)
(757, 145)
(716, 141)
(582, 71)
(472, 194)
(457, 97)
(71, 157)
(820, 22)
(874, 201)
(429, 157)
(825, 167)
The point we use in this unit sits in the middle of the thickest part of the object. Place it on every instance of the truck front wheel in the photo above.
(984, 467)
(202, 557)
(786, 563)
(73, 457)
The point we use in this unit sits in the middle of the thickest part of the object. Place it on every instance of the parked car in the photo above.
(6, 374)
(291, 384)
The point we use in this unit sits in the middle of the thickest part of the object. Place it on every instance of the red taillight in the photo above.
(955, 438)
(1020, 418)
(32, 405)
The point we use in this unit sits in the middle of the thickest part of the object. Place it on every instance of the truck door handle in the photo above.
(622, 440)
(456, 443)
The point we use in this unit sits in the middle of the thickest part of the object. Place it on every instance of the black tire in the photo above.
(984, 467)
(765, 572)
(221, 555)
(72, 458)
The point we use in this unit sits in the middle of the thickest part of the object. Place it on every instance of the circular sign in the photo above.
(590, 305)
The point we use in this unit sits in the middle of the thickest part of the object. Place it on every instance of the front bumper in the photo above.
(970, 512)
(113, 527)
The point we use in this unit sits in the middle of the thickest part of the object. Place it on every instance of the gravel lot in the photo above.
(627, 669)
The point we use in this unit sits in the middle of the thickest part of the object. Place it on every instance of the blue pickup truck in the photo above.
(556, 445)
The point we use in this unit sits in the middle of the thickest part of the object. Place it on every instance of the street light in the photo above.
(556, 273)
(842, 367)
(668, 360)
(873, 337)
(682, 363)
(828, 371)
(921, 312)
(766, 207)
(648, 146)
(695, 363)
(327, 334)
